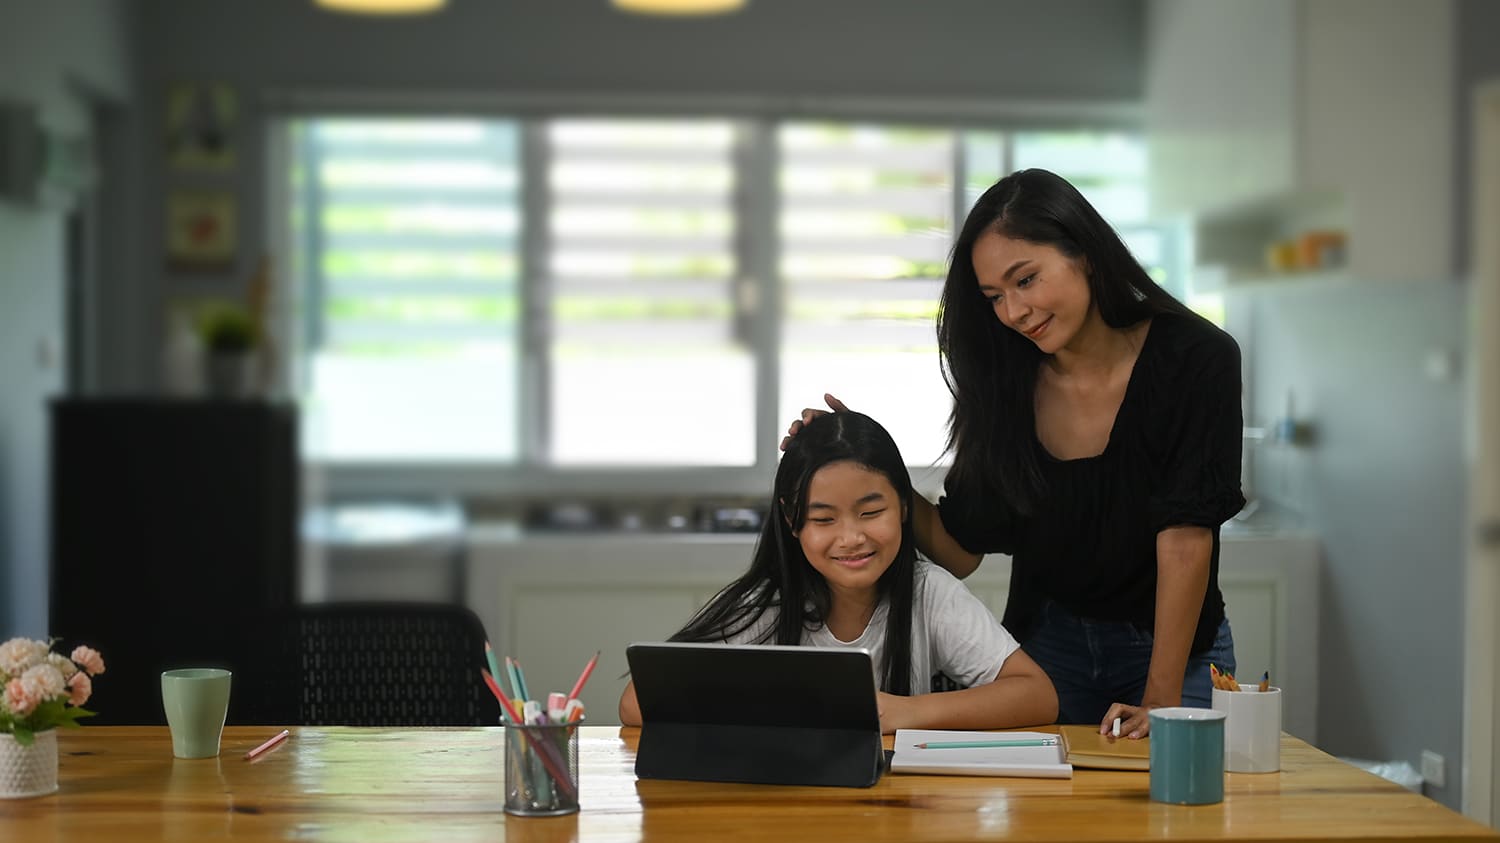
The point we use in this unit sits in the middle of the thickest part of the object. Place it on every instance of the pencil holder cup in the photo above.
(1187, 756)
(541, 769)
(1252, 728)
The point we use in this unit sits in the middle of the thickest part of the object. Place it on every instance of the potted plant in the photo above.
(39, 691)
(229, 337)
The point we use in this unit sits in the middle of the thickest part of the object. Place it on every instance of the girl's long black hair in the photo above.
(990, 369)
(780, 578)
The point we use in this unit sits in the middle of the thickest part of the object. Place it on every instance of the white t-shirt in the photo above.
(951, 631)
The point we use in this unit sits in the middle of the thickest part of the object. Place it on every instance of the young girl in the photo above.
(836, 566)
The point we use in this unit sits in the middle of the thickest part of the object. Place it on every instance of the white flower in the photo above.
(45, 681)
(63, 664)
(19, 654)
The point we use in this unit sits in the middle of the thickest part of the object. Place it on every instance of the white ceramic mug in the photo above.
(1252, 728)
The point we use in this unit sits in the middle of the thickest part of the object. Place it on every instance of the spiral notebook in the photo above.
(1039, 762)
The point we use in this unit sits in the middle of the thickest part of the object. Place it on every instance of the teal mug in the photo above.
(196, 700)
(1187, 756)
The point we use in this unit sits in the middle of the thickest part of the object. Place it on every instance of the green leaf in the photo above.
(22, 735)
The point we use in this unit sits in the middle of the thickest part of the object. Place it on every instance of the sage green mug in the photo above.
(196, 700)
(1187, 756)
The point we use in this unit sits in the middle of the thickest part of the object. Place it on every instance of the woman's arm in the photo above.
(935, 542)
(1021, 695)
(630, 710)
(1182, 563)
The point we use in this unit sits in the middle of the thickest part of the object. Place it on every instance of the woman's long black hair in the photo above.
(781, 579)
(990, 369)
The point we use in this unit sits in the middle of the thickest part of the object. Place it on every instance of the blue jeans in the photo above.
(1095, 663)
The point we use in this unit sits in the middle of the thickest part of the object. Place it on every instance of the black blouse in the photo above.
(1173, 458)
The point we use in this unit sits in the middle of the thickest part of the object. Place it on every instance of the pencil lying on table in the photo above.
(984, 744)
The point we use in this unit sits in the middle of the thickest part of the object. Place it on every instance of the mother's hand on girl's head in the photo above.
(810, 413)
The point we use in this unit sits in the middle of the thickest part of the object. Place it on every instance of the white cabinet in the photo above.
(1275, 117)
(551, 601)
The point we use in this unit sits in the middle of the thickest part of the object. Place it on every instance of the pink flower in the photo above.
(79, 688)
(18, 697)
(89, 659)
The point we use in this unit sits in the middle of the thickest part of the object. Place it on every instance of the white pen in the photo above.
(1117, 727)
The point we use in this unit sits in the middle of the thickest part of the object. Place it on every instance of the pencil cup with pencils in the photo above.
(541, 769)
(1252, 727)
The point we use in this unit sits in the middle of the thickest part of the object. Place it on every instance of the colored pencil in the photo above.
(584, 676)
(985, 744)
(274, 740)
(492, 660)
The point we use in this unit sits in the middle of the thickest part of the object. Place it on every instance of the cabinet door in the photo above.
(1251, 607)
(555, 628)
(1221, 102)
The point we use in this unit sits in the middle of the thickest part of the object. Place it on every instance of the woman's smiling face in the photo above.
(853, 526)
(1034, 289)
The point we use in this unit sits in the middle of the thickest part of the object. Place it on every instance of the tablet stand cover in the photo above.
(756, 714)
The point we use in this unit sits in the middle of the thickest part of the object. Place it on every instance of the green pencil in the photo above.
(982, 744)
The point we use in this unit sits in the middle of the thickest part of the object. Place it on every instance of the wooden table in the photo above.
(121, 784)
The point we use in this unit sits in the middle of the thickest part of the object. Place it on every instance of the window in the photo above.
(640, 271)
(865, 226)
(578, 293)
(406, 239)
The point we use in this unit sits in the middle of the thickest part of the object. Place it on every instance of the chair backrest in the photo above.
(376, 664)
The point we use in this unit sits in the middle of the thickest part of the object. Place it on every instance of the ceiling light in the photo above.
(679, 7)
(382, 7)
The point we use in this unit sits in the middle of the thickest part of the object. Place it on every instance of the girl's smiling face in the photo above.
(853, 526)
(1035, 290)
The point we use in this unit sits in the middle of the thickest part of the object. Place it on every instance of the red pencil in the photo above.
(584, 677)
(275, 739)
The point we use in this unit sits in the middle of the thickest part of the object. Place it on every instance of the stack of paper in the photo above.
(1028, 754)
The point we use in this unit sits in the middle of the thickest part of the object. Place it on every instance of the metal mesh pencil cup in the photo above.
(541, 769)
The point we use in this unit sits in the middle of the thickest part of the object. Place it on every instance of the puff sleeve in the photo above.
(1198, 437)
(979, 522)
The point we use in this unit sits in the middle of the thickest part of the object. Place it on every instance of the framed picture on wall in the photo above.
(200, 126)
(200, 230)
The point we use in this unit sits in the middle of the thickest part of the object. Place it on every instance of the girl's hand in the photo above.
(1135, 720)
(895, 711)
(808, 415)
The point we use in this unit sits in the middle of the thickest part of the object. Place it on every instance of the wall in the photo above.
(976, 54)
(1384, 484)
(49, 53)
(1477, 61)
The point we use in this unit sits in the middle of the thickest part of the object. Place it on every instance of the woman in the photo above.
(1096, 439)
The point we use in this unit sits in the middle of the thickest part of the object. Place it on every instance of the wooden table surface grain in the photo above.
(120, 785)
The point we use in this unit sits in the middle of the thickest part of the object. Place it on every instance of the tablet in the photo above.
(756, 713)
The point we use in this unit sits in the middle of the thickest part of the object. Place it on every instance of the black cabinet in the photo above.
(173, 540)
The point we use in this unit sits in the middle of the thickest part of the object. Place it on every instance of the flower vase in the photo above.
(28, 770)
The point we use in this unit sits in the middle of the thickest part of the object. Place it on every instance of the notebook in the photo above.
(1043, 762)
(1085, 747)
(756, 713)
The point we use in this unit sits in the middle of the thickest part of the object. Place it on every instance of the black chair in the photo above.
(371, 664)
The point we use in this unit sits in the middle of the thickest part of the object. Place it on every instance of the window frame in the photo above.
(757, 282)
